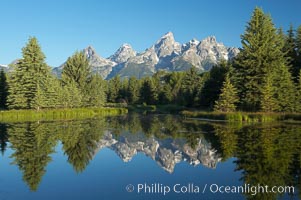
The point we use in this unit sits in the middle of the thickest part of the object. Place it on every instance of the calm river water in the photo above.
(149, 157)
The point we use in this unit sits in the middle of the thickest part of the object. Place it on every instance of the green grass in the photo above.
(115, 105)
(243, 116)
(57, 114)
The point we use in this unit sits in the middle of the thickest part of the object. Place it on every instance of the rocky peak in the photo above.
(90, 52)
(126, 46)
(232, 52)
(148, 56)
(210, 40)
(210, 49)
(94, 58)
(192, 43)
(99, 64)
(166, 45)
(167, 36)
(123, 54)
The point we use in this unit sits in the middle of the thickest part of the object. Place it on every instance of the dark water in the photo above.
(148, 155)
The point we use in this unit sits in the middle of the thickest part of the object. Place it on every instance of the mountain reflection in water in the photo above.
(266, 154)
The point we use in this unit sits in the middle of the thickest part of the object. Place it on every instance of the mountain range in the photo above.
(166, 54)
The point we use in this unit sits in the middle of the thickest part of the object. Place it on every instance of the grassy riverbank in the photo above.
(56, 114)
(82, 113)
(211, 115)
(242, 116)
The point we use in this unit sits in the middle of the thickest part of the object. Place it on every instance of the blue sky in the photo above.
(64, 26)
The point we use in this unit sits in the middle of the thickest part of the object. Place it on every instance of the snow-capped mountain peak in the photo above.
(123, 54)
(166, 45)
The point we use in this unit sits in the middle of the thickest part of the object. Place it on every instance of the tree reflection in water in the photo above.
(266, 154)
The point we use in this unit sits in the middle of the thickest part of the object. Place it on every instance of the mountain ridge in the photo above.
(165, 54)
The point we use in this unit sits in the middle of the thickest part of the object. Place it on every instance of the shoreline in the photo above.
(57, 114)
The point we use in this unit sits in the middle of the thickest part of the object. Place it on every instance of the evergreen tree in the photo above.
(298, 46)
(52, 92)
(213, 82)
(284, 74)
(77, 70)
(40, 98)
(174, 80)
(48, 93)
(28, 75)
(290, 52)
(123, 92)
(190, 87)
(158, 81)
(95, 92)
(133, 90)
(228, 97)
(148, 92)
(71, 96)
(261, 54)
(298, 94)
(3, 90)
(285, 93)
(165, 95)
(269, 103)
(113, 91)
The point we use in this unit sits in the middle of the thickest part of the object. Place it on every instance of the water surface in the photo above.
(110, 158)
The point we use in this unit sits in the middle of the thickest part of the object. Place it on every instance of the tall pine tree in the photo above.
(77, 70)
(261, 56)
(28, 76)
(291, 53)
